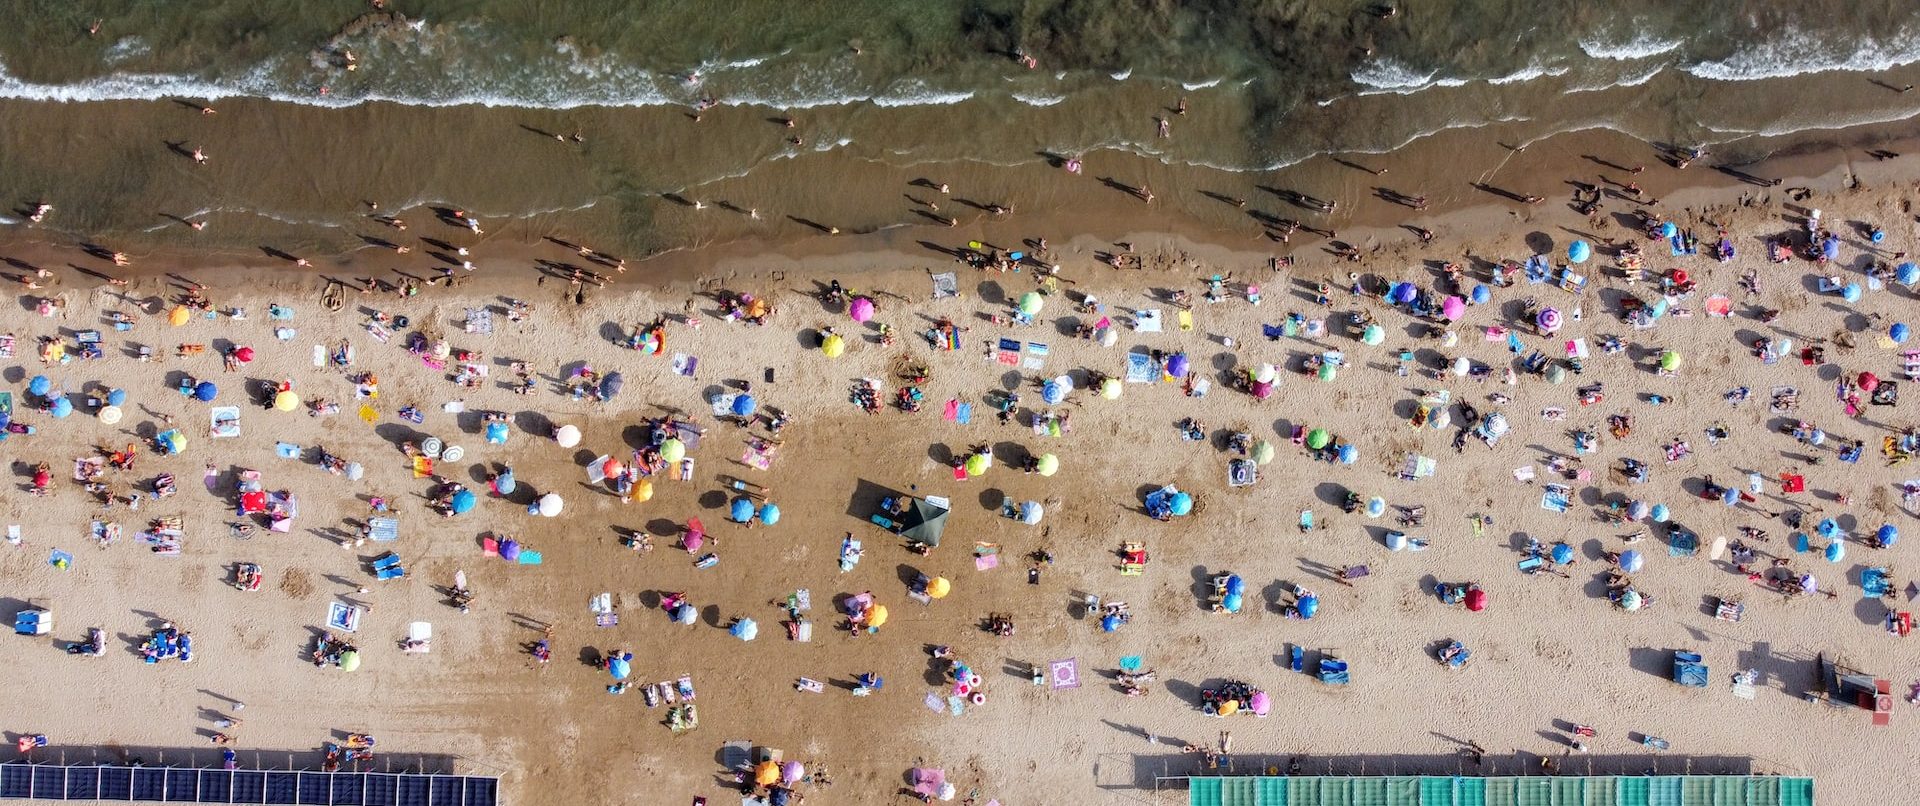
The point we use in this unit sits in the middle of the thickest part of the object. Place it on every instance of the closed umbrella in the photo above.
(861, 310)
(1631, 561)
(1048, 464)
(1031, 302)
(770, 513)
(745, 406)
(745, 629)
(205, 391)
(1263, 452)
(833, 346)
(1318, 438)
(286, 401)
(109, 415)
(742, 510)
(567, 436)
(550, 505)
(673, 450)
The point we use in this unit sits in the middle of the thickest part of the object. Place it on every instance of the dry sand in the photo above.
(1549, 652)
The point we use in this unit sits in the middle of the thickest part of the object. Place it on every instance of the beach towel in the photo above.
(1556, 498)
(986, 556)
(224, 421)
(1007, 352)
(480, 321)
(1719, 305)
(934, 703)
(379, 332)
(319, 355)
(1185, 318)
(344, 617)
(388, 530)
(684, 365)
(756, 458)
(722, 405)
(6, 403)
(1064, 673)
(946, 284)
(1036, 356)
(6, 345)
(1140, 368)
(1147, 321)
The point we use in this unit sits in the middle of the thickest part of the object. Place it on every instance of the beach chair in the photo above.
(387, 566)
(1688, 670)
(1297, 658)
(809, 685)
(1333, 670)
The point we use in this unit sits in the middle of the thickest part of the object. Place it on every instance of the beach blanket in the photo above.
(1556, 498)
(1064, 673)
(1147, 321)
(224, 421)
(756, 458)
(6, 345)
(480, 321)
(946, 284)
(684, 364)
(1140, 368)
(1036, 356)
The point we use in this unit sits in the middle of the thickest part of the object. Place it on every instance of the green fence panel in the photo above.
(1371, 792)
(1796, 791)
(1569, 792)
(1271, 791)
(1632, 791)
(1533, 792)
(1500, 792)
(1470, 792)
(1237, 792)
(1665, 792)
(1304, 791)
(1203, 792)
(1602, 790)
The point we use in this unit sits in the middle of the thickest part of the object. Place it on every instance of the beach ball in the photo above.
(1481, 295)
(673, 450)
(770, 513)
(1031, 302)
(286, 401)
(1579, 251)
(833, 346)
(1181, 504)
(1660, 513)
(62, 408)
(861, 310)
(40, 385)
(1049, 464)
(977, 464)
(1899, 332)
(742, 510)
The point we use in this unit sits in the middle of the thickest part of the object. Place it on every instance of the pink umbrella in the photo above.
(1261, 391)
(695, 537)
(861, 310)
(1549, 319)
(1453, 307)
(1869, 381)
(243, 355)
(1261, 703)
(927, 781)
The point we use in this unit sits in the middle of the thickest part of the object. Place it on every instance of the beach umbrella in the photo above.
(685, 614)
(1579, 251)
(1318, 438)
(179, 315)
(116, 397)
(1668, 230)
(1328, 371)
(173, 441)
(1110, 623)
(1462, 366)
(1659, 307)
(1232, 602)
(939, 587)
(770, 513)
(1266, 373)
(1453, 307)
(1309, 606)
(349, 660)
(1869, 381)
(1476, 600)
(1548, 319)
(1396, 541)
(1638, 510)
(1376, 506)
(109, 415)
(510, 550)
(1899, 332)
(1262, 390)
(742, 510)
(62, 408)
(1496, 424)
(1562, 554)
(1049, 464)
(40, 385)
(792, 771)
(1809, 584)
(977, 464)
(355, 471)
(1235, 584)
(1031, 302)
(1836, 551)
(1110, 388)
(1887, 536)
(1177, 365)
(205, 391)
(1348, 454)
(1800, 542)
(1828, 528)
(1669, 360)
(745, 406)
(611, 385)
(877, 616)
(833, 346)
(1052, 392)
(744, 629)
(619, 667)
(1830, 248)
(1030, 513)
(1730, 496)
(1659, 513)
(550, 505)
(673, 450)
(1260, 703)
(464, 501)
(1373, 335)
(1630, 600)
(1631, 561)
(567, 436)
(1481, 295)
(861, 310)
(1818, 437)
(1108, 336)
(1405, 293)
(1181, 503)
(1263, 452)
(1851, 293)
(286, 401)
(243, 354)
(497, 433)
(504, 483)
(1908, 273)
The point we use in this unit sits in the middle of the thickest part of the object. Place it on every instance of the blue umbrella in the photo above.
(1308, 606)
(504, 483)
(1851, 293)
(1110, 623)
(1800, 542)
(62, 408)
(205, 391)
(1231, 603)
(1236, 585)
(1730, 496)
(1836, 551)
(1181, 504)
(619, 668)
(510, 550)
(1405, 293)
(464, 501)
(1637, 510)
(1631, 561)
(745, 629)
(770, 513)
(1827, 528)
(497, 433)
(39, 385)
(745, 406)
(1481, 295)
(1177, 365)
(1908, 273)
(1669, 230)
(1349, 454)
(117, 397)
(1052, 393)
(1579, 251)
(742, 511)
(1899, 332)
(1887, 536)
(1659, 513)
(1562, 554)
(685, 614)
(610, 385)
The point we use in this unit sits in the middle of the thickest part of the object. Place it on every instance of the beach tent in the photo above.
(923, 522)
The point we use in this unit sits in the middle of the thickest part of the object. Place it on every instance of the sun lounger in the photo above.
(1297, 658)
(1688, 670)
(1333, 670)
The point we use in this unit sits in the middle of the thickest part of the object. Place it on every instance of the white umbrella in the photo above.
(567, 435)
(109, 415)
(1030, 513)
(550, 505)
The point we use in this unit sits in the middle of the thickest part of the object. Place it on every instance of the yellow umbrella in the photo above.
(939, 588)
(642, 492)
(1230, 707)
(834, 346)
(878, 616)
(977, 464)
(179, 315)
(286, 401)
(767, 773)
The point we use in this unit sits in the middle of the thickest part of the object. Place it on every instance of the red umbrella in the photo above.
(1869, 381)
(1476, 599)
(244, 354)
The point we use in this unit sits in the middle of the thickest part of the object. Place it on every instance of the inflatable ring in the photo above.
(978, 698)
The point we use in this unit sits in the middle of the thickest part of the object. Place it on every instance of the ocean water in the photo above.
(883, 87)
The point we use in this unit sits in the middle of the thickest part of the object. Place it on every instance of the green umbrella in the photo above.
(1556, 374)
(673, 450)
(1262, 452)
(1373, 335)
(1669, 361)
(977, 464)
(349, 661)
(1327, 369)
(1030, 303)
(1049, 464)
(1318, 438)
